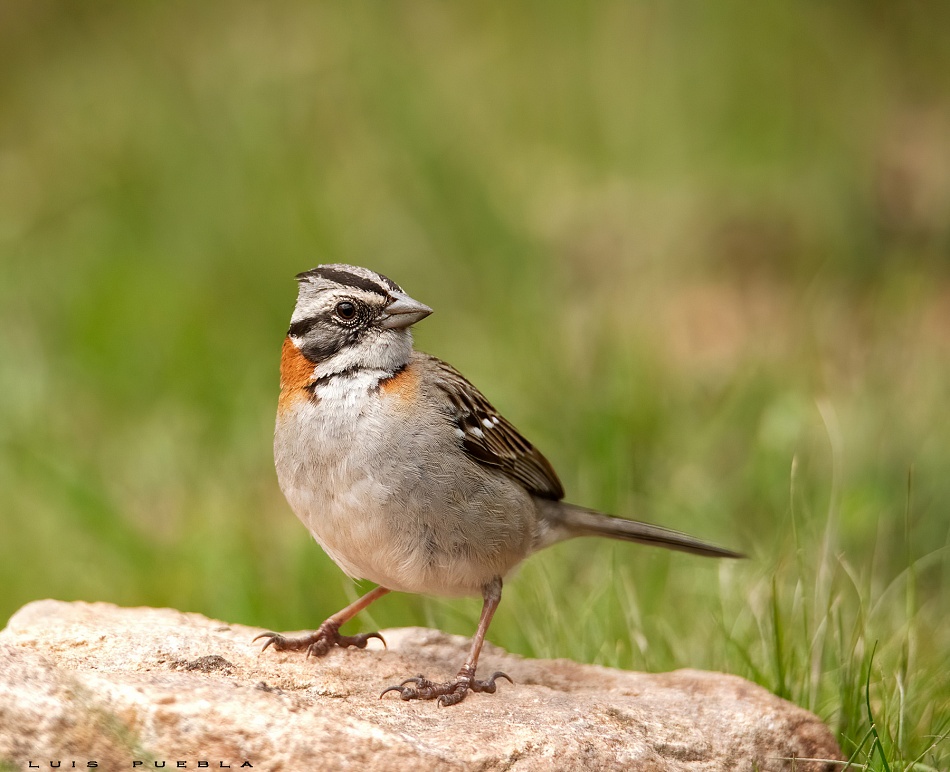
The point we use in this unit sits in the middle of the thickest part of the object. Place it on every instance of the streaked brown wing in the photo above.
(490, 439)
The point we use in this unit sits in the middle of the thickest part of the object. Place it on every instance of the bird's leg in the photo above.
(452, 692)
(328, 635)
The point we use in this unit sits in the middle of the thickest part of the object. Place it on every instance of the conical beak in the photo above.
(403, 311)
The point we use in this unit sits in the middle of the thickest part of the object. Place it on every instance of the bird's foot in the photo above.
(449, 692)
(319, 642)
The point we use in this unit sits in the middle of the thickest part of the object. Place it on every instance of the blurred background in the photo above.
(698, 253)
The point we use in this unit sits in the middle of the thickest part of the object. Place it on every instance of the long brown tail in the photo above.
(578, 521)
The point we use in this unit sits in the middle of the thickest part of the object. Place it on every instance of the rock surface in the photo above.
(93, 682)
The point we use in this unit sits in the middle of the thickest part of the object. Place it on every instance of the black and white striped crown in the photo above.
(350, 276)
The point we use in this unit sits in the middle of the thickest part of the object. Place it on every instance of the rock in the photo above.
(85, 683)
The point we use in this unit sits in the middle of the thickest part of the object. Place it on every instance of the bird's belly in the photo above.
(412, 539)
(397, 544)
(349, 525)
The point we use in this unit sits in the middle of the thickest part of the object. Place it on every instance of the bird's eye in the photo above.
(346, 310)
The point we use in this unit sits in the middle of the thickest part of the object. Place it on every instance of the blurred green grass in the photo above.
(699, 254)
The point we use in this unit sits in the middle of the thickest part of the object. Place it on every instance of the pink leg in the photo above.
(453, 692)
(328, 635)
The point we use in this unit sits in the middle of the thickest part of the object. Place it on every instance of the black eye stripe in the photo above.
(324, 348)
(302, 326)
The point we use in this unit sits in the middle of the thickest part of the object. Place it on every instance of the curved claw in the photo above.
(420, 681)
(271, 639)
(357, 641)
(318, 643)
(317, 649)
(448, 693)
(452, 698)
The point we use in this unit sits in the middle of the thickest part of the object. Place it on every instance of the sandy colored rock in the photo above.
(94, 682)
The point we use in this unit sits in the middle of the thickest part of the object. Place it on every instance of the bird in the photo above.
(406, 475)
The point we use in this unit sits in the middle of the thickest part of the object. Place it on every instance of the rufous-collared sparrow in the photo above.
(405, 474)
